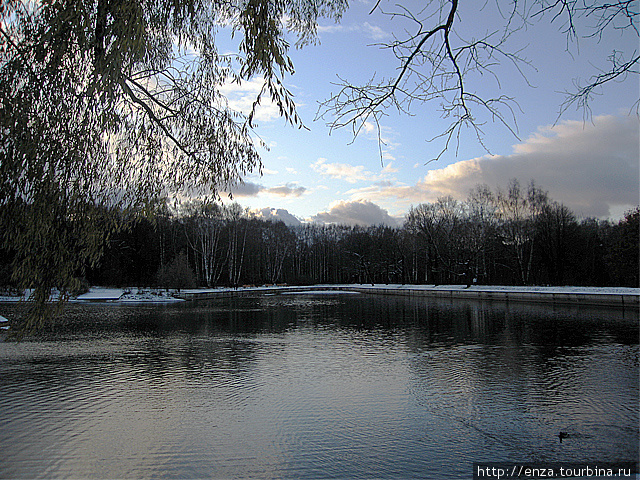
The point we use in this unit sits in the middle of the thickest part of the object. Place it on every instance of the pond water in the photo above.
(317, 386)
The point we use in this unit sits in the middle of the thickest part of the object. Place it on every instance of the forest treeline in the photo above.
(514, 237)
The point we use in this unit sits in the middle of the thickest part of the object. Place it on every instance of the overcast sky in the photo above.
(591, 165)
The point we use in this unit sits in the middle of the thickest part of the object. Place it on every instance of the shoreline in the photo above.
(621, 297)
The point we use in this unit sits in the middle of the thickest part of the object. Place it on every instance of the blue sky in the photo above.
(319, 175)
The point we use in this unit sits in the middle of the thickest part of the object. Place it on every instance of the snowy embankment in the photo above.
(566, 294)
(600, 296)
(511, 289)
(115, 295)
(418, 288)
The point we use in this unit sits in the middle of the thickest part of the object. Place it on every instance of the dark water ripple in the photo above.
(316, 387)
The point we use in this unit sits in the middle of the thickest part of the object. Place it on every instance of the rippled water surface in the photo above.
(316, 386)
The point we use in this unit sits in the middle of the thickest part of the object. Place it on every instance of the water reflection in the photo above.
(301, 386)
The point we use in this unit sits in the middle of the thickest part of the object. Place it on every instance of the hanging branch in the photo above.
(438, 67)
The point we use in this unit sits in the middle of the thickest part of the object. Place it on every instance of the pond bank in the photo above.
(592, 296)
(620, 297)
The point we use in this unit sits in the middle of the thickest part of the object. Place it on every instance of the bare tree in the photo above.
(203, 229)
(556, 227)
(517, 213)
(482, 210)
(279, 243)
(440, 66)
(439, 224)
(237, 240)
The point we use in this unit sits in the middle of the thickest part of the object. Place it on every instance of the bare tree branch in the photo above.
(437, 67)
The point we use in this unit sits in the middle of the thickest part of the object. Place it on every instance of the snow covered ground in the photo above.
(117, 295)
(514, 289)
(477, 288)
(148, 295)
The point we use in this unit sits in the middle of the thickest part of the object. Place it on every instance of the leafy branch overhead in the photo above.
(441, 66)
(111, 104)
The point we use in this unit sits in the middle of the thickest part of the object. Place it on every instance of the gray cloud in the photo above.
(246, 189)
(250, 189)
(356, 213)
(288, 190)
(592, 168)
(275, 214)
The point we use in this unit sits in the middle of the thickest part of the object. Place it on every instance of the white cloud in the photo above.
(369, 128)
(342, 171)
(372, 32)
(389, 168)
(331, 28)
(356, 213)
(275, 214)
(384, 140)
(241, 97)
(592, 168)
(387, 156)
(350, 173)
(382, 134)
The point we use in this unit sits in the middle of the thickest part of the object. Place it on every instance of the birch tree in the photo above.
(237, 240)
(204, 230)
(517, 213)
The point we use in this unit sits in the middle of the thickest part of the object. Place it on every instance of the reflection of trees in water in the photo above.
(478, 378)
(513, 376)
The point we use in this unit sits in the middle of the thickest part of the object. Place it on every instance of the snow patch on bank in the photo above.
(112, 295)
(148, 295)
(322, 292)
(100, 294)
(510, 289)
